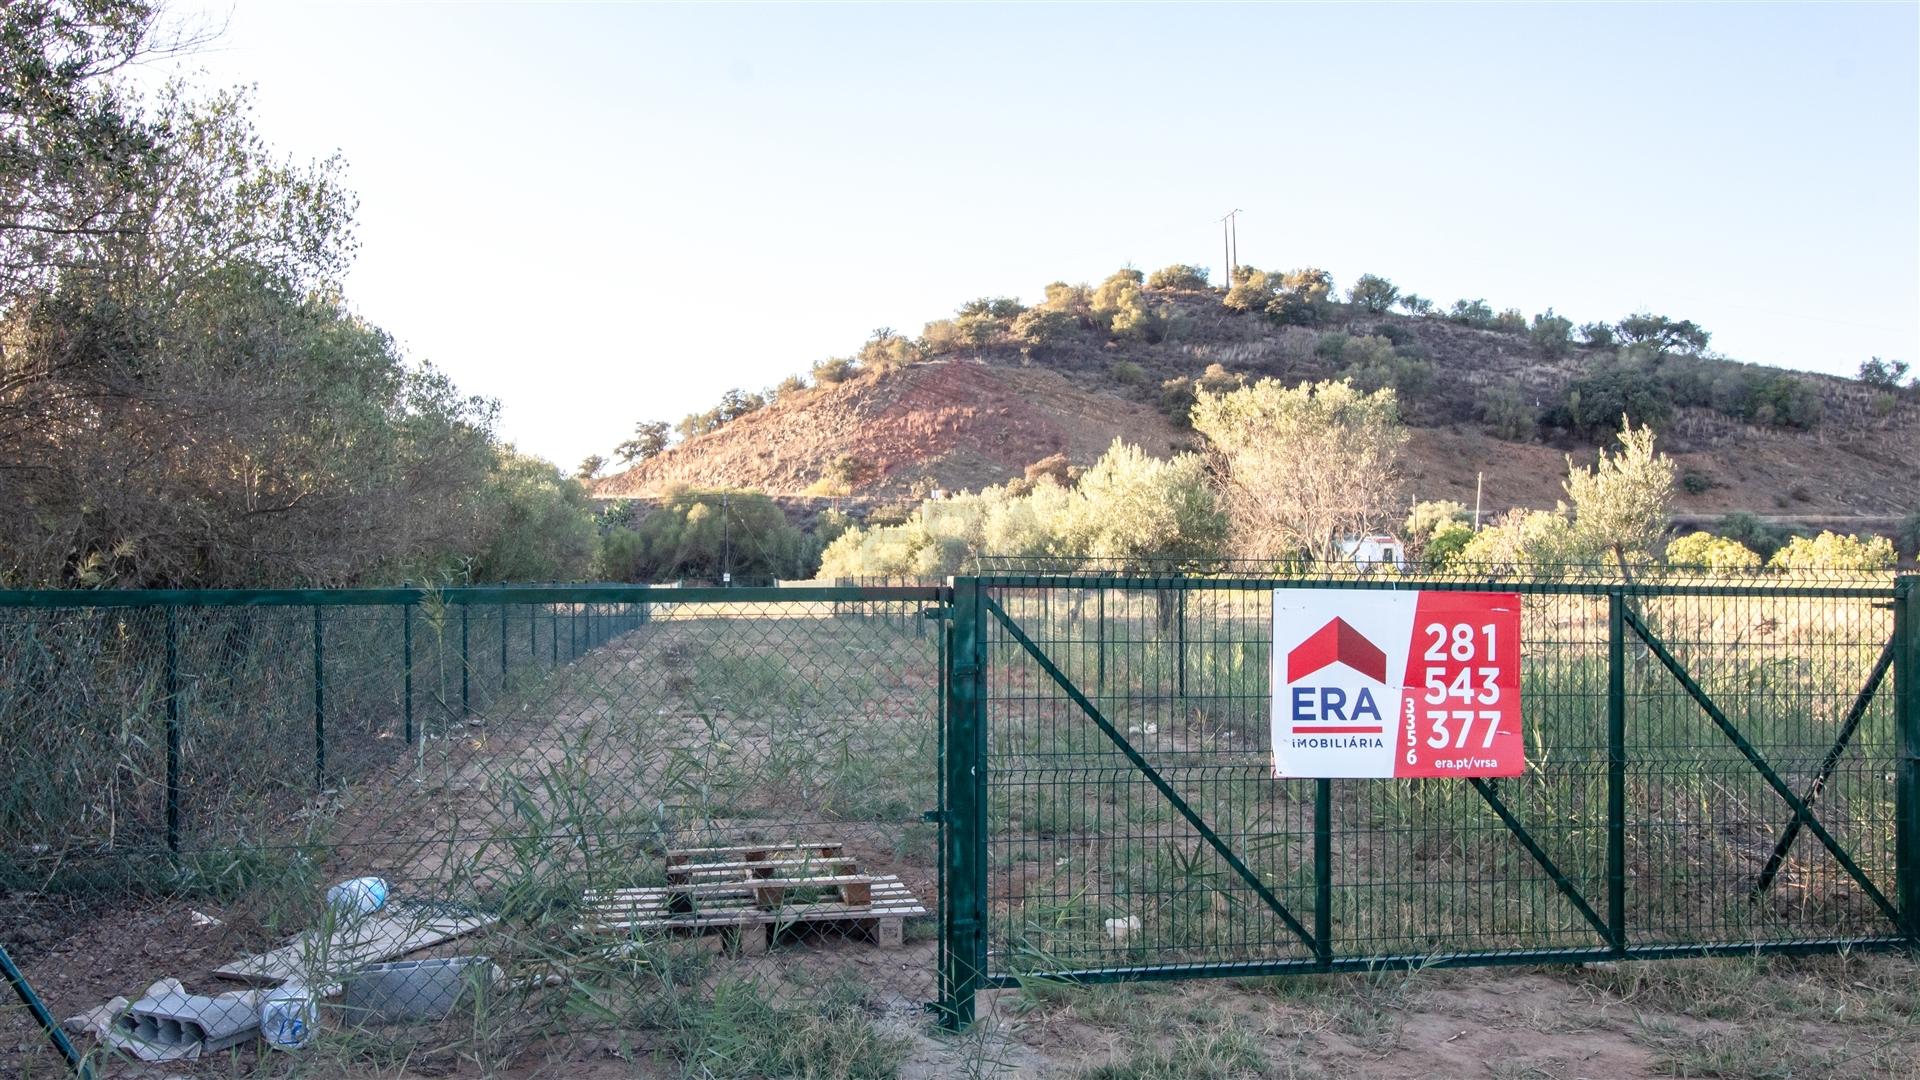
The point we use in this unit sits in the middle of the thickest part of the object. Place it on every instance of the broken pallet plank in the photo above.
(825, 849)
(315, 958)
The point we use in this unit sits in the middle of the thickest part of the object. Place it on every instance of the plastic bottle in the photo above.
(288, 1015)
(360, 896)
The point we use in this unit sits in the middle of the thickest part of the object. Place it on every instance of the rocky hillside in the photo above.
(980, 415)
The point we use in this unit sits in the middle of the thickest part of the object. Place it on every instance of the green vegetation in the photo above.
(1705, 551)
(1835, 551)
(1305, 466)
(701, 534)
(1373, 294)
(1178, 276)
(1128, 510)
(1618, 515)
(190, 401)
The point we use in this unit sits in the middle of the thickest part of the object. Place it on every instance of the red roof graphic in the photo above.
(1337, 642)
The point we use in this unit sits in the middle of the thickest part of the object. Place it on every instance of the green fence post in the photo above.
(503, 648)
(553, 633)
(1323, 871)
(319, 700)
(1100, 638)
(466, 665)
(1617, 771)
(964, 903)
(173, 733)
(1180, 661)
(1906, 710)
(406, 670)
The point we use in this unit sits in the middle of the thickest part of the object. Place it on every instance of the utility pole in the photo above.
(1230, 242)
(1479, 481)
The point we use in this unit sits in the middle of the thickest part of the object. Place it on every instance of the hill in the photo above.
(1500, 402)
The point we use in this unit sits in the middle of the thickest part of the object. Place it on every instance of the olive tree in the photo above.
(1303, 467)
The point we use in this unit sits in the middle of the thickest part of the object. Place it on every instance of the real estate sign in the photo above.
(1377, 683)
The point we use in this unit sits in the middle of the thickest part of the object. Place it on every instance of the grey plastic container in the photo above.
(413, 989)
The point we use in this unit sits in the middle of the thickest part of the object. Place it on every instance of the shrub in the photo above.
(1331, 346)
(1596, 335)
(1446, 545)
(939, 338)
(1053, 467)
(1037, 328)
(703, 534)
(1595, 402)
(1750, 532)
(1506, 414)
(1127, 373)
(1705, 551)
(887, 349)
(1551, 333)
(834, 370)
(1428, 518)
(1695, 483)
(1003, 308)
(1178, 276)
(1372, 293)
(1372, 363)
(1251, 291)
(1473, 313)
(1510, 321)
(1834, 551)
(1416, 305)
(978, 330)
(787, 387)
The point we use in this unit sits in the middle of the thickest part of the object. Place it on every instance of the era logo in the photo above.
(1356, 712)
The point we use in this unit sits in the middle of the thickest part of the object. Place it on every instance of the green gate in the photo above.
(1712, 769)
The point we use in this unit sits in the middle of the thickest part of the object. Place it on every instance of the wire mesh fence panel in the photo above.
(595, 819)
(1708, 768)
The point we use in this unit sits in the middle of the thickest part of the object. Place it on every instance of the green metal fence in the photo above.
(1071, 775)
(1713, 769)
(183, 775)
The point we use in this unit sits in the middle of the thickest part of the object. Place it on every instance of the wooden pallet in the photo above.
(752, 892)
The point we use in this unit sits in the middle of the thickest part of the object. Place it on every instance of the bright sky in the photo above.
(605, 213)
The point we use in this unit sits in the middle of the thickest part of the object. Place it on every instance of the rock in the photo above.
(1121, 929)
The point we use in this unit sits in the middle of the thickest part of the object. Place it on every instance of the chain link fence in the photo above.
(602, 821)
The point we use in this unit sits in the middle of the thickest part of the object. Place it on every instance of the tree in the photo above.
(590, 466)
(1551, 334)
(1621, 504)
(1596, 335)
(1304, 467)
(1662, 334)
(1373, 294)
(650, 440)
(540, 523)
(1618, 515)
(1886, 374)
(1178, 276)
(1416, 305)
(1474, 313)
